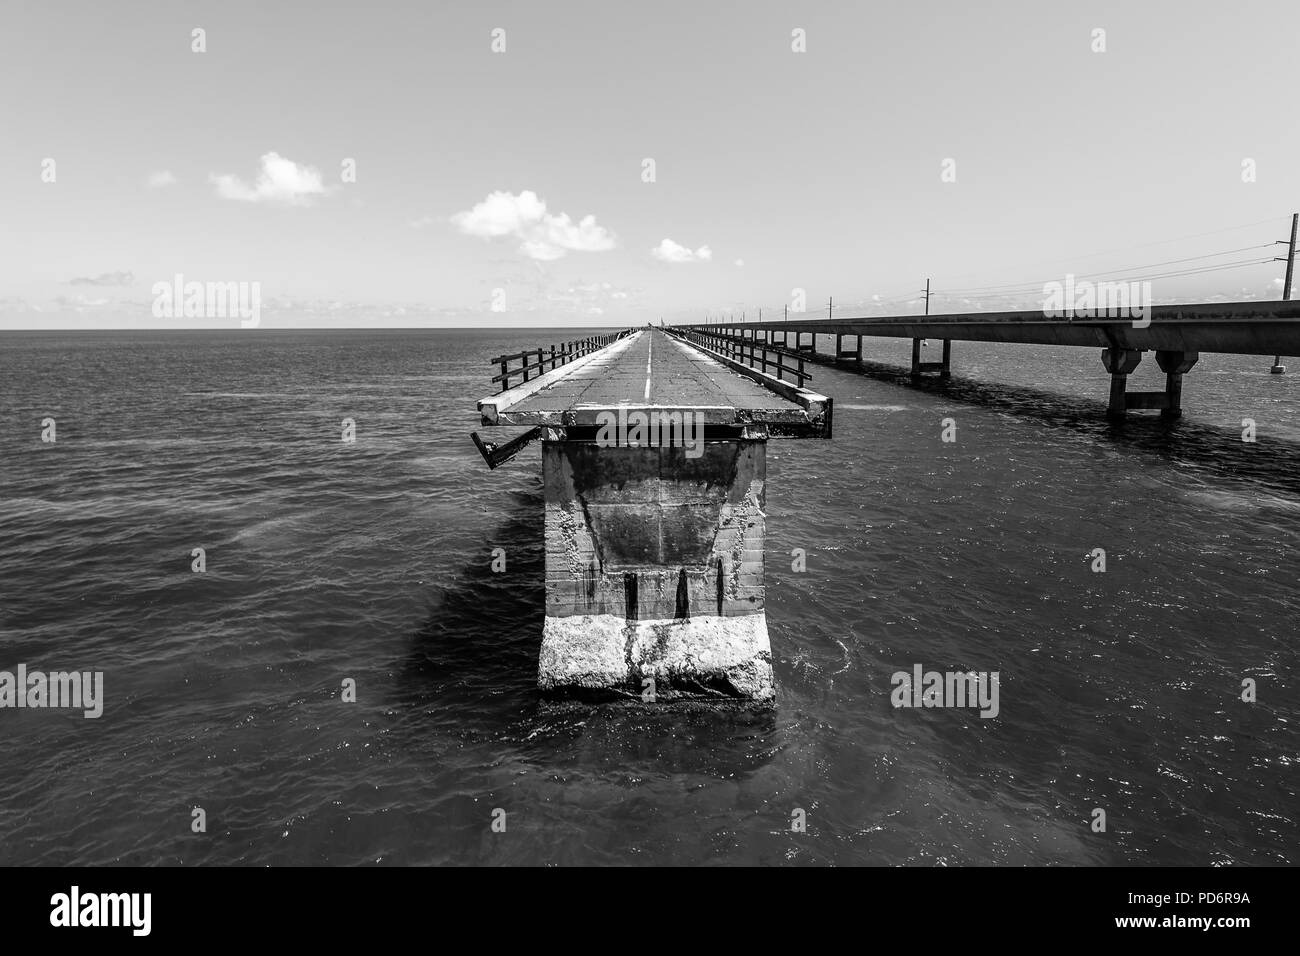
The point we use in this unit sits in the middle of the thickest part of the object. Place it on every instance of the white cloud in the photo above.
(669, 251)
(161, 178)
(583, 297)
(740, 263)
(542, 236)
(279, 181)
(104, 279)
(80, 303)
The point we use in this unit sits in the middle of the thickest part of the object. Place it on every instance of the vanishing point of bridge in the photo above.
(654, 467)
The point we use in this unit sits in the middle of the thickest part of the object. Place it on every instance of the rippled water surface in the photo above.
(371, 560)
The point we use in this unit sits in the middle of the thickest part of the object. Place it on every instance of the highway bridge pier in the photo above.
(1121, 363)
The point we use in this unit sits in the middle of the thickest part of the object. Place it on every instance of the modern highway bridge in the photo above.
(654, 466)
(1176, 333)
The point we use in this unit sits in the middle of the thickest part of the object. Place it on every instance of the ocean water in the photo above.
(372, 561)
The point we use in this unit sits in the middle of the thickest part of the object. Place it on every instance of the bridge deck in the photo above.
(650, 369)
(1258, 328)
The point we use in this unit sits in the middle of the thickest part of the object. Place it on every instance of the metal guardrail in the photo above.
(752, 351)
(548, 359)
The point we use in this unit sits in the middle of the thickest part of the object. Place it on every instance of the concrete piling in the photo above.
(1121, 363)
(943, 367)
(654, 571)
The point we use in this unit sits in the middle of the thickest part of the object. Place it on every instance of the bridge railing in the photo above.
(542, 360)
(753, 352)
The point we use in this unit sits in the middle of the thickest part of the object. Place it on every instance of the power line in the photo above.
(1159, 242)
(1030, 289)
(1020, 289)
(1149, 265)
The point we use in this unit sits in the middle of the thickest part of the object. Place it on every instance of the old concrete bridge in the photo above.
(654, 466)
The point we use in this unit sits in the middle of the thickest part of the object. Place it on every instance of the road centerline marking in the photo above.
(649, 354)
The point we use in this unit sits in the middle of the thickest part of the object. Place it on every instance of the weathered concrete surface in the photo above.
(654, 567)
(606, 655)
(648, 533)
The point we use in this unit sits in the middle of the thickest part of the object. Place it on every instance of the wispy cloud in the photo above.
(80, 303)
(669, 251)
(423, 222)
(280, 180)
(104, 279)
(592, 298)
(161, 178)
(542, 235)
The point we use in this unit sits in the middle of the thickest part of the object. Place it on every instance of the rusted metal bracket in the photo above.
(495, 454)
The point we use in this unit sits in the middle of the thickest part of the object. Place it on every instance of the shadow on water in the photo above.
(718, 739)
(1271, 462)
(478, 643)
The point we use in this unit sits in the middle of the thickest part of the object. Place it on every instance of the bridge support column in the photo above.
(944, 367)
(1120, 363)
(1175, 365)
(654, 571)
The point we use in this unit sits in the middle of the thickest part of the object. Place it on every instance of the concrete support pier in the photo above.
(654, 572)
(1175, 365)
(853, 356)
(1121, 363)
(943, 367)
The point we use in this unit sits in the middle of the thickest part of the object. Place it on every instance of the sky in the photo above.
(988, 147)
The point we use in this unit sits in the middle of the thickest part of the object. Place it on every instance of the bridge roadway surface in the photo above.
(649, 369)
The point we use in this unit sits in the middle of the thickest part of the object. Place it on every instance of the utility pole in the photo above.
(1278, 368)
(786, 312)
(830, 308)
(927, 296)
